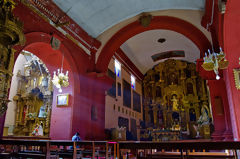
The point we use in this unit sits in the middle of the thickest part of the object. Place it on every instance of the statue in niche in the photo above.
(45, 82)
(42, 112)
(38, 130)
(204, 118)
(173, 79)
(174, 102)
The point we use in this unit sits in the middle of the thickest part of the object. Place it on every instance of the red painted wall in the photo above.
(232, 49)
(52, 59)
(65, 121)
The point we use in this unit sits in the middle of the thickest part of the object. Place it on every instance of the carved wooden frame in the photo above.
(236, 73)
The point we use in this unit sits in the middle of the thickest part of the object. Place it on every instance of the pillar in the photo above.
(220, 110)
(232, 49)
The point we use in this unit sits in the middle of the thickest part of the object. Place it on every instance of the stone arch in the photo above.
(38, 43)
(158, 22)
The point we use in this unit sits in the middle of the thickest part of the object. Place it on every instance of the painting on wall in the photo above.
(62, 99)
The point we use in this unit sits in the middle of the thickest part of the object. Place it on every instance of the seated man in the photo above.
(76, 137)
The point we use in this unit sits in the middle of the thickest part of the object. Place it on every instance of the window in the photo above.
(117, 68)
(112, 91)
(136, 102)
(119, 89)
(126, 94)
(133, 82)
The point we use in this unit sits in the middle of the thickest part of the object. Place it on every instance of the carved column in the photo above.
(155, 115)
(146, 108)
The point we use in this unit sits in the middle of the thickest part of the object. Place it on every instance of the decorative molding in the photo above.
(67, 27)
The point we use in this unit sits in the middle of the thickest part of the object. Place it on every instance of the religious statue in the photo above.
(38, 130)
(42, 112)
(174, 102)
(204, 118)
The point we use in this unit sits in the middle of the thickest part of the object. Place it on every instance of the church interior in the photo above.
(166, 71)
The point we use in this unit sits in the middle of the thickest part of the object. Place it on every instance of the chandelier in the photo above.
(60, 79)
(215, 61)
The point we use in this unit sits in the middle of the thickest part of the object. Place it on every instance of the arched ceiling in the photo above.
(96, 16)
(141, 47)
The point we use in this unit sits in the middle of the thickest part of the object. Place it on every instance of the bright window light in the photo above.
(132, 81)
(117, 68)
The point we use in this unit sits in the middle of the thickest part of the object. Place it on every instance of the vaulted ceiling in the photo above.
(98, 17)
(141, 47)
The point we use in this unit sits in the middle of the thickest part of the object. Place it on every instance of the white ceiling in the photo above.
(141, 47)
(96, 16)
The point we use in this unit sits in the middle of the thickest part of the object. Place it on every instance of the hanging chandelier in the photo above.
(215, 61)
(60, 79)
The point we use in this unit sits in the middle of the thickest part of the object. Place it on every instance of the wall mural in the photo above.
(33, 99)
(175, 102)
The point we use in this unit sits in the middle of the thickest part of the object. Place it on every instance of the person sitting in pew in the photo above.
(76, 137)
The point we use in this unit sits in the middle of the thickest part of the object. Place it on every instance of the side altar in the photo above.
(33, 99)
(175, 102)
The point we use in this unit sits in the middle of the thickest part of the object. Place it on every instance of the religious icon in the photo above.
(174, 102)
(62, 99)
(42, 112)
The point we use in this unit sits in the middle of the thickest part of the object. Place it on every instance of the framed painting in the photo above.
(62, 99)
(236, 73)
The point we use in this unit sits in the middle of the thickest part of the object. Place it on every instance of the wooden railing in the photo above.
(121, 149)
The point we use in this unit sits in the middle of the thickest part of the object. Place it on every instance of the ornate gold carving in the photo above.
(10, 35)
(236, 73)
(33, 99)
(173, 88)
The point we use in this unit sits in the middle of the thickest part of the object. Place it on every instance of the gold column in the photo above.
(146, 114)
(155, 110)
(10, 35)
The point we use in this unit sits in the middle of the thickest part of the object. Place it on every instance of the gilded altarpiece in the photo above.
(10, 35)
(33, 100)
(174, 96)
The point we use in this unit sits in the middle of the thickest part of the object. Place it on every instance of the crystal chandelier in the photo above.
(214, 61)
(60, 79)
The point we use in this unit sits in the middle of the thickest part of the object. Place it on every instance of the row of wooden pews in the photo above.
(182, 149)
(54, 149)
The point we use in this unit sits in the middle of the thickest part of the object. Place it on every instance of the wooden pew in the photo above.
(183, 147)
(23, 148)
